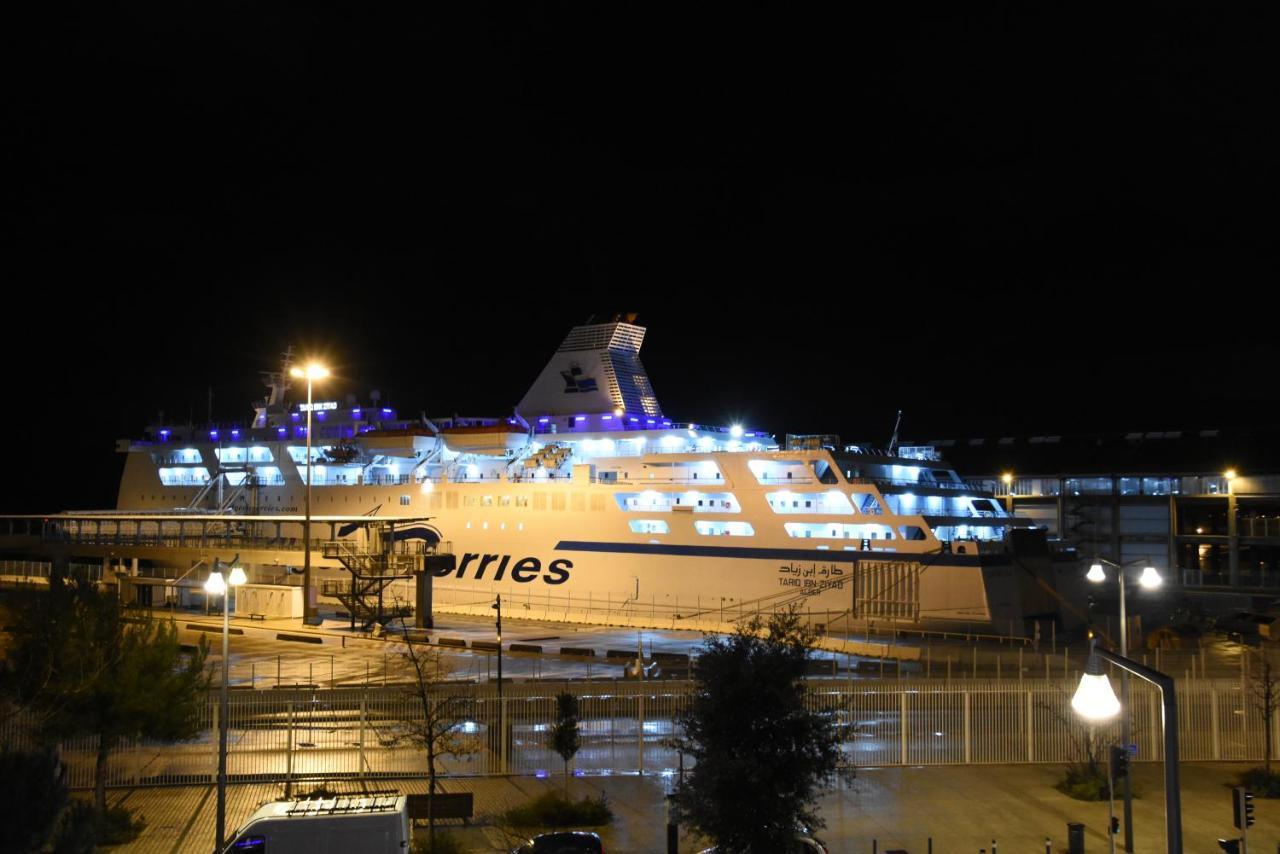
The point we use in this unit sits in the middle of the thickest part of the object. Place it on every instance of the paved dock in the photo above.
(963, 808)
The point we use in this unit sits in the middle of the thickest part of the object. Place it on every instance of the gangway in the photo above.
(374, 566)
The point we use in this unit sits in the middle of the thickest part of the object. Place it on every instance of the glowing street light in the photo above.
(311, 373)
(1149, 580)
(216, 585)
(1094, 698)
(1096, 702)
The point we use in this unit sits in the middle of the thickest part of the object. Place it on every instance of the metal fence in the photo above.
(627, 728)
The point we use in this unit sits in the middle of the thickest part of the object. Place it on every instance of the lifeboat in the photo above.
(490, 440)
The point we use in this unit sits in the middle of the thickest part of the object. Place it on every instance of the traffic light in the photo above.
(1115, 825)
(1119, 761)
(1242, 808)
(1231, 846)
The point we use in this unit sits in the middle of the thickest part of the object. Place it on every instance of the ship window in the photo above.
(486, 501)
(912, 532)
(725, 529)
(648, 526)
(404, 500)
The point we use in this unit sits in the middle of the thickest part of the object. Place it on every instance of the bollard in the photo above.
(875, 846)
(930, 845)
(1075, 837)
(1048, 845)
(993, 846)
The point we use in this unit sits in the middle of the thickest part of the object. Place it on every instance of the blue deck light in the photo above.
(213, 434)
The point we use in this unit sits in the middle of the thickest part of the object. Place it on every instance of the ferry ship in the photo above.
(588, 503)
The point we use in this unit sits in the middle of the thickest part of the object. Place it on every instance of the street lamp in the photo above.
(1095, 701)
(502, 731)
(215, 585)
(1150, 579)
(310, 616)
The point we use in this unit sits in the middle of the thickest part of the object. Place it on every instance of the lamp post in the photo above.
(310, 615)
(502, 733)
(1150, 579)
(1096, 701)
(215, 585)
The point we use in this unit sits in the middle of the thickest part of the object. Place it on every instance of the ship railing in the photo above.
(919, 484)
(641, 481)
(385, 480)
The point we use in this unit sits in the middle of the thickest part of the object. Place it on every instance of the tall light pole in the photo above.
(1150, 579)
(1095, 701)
(502, 733)
(217, 586)
(310, 613)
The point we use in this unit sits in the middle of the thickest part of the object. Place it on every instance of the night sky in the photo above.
(1005, 221)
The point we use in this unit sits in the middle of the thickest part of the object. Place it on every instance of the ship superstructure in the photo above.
(587, 498)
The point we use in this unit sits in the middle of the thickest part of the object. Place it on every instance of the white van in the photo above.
(337, 825)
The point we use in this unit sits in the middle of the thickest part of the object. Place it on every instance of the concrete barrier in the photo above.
(526, 647)
(197, 627)
(582, 652)
(487, 646)
(458, 642)
(285, 636)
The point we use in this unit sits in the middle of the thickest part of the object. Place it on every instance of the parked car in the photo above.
(803, 843)
(565, 842)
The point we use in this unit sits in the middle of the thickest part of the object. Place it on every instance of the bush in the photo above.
(119, 827)
(75, 830)
(1260, 781)
(34, 791)
(446, 843)
(1083, 784)
(554, 810)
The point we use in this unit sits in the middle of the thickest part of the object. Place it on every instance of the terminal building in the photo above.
(1202, 506)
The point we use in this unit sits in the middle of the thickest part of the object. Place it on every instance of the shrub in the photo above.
(119, 827)
(446, 843)
(1085, 783)
(1260, 781)
(74, 833)
(554, 810)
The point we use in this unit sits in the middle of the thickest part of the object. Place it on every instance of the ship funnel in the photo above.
(595, 370)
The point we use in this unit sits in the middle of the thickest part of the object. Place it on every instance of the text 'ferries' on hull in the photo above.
(588, 503)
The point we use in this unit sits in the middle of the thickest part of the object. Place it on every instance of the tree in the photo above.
(438, 729)
(84, 665)
(760, 752)
(1264, 695)
(563, 737)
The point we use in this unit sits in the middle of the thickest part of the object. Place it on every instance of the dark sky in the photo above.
(1003, 220)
